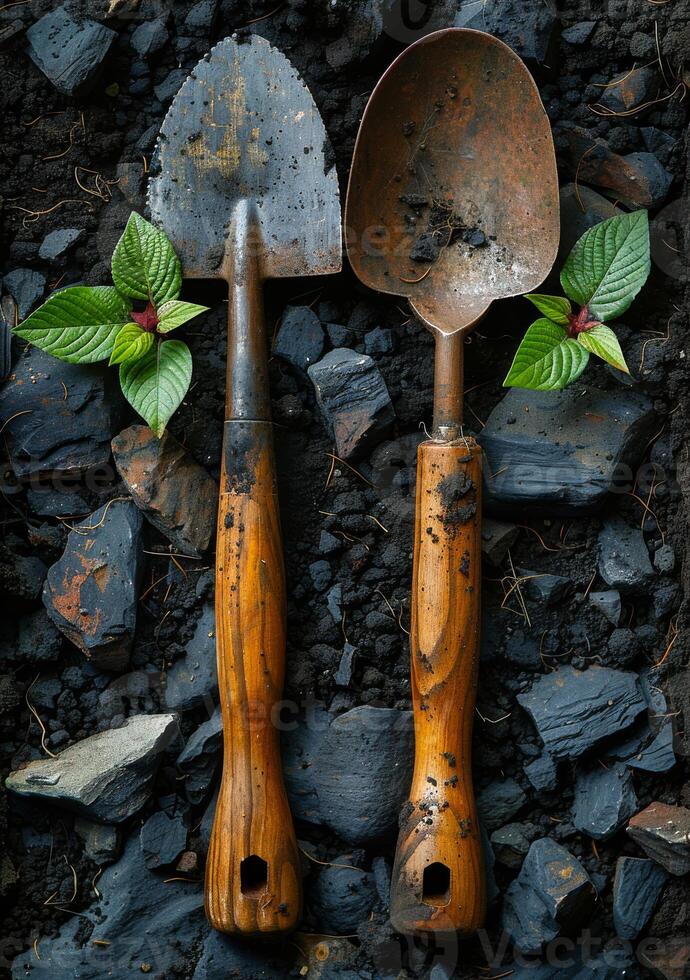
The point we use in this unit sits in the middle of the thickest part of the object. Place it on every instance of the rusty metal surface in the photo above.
(454, 140)
(244, 127)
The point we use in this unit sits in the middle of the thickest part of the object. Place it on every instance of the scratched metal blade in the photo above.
(245, 127)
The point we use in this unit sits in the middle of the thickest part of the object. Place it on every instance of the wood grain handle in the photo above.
(438, 878)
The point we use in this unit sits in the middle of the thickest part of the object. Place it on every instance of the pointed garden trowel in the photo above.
(246, 191)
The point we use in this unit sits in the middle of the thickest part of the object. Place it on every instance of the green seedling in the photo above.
(126, 324)
(603, 274)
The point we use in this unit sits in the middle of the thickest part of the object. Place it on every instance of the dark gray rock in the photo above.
(10, 29)
(663, 832)
(223, 957)
(659, 755)
(334, 601)
(634, 89)
(498, 537)
(574, 220)
(512, 842)
(57, 244)
(339, 335)
(102, 842)
(200, 16)
(91, 593)
(199, 758)
(664, 559)
(59, 433)
(21, 576)
(574, 710)
(56, 502)
(170, 488)
(527, 26)
(637, 887)
(192, 680)
(604, 800)
(350, 773)
(622, 648)
(341, 898)
(26, 287)
(623, 557)
(552, 892)
(329, 544)
(300, 339)
(646, 171)
(105, 777)
(150, 37)
(380, 340)
(141, 920)
(169, 86)
(37, 640)
(382, 872)
(542, 773)
(343, 674)
(608, 603)
(353, 399)
(579, 33)
(522, 650)
(545, 588)
(162, 839)
(665, 600)
(546, 454)
(320, 573)
(68, 51)
(500, 801)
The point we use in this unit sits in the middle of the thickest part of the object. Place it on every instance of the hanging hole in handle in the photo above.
(436, 885)
(253, 876)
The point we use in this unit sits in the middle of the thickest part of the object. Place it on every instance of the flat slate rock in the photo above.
(192, 680)
(663, 832)
(72, 413)
(350, 773)
(199, 759)
(658, 755)
(92, 592)
(527, 26)
(162, 839)
(141, 919)
(604, 801)
(637, 887)
(562, 450)
(170, 488)
(69, 51)
(300, 339)
(56, 244)
(623, 557)
(542, 773)
(574, 710)
(107, 776)
(499, 802)
(341, 897)
(26, 287)
(353, 399)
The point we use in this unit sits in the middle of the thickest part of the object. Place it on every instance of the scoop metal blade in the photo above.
(244, 127)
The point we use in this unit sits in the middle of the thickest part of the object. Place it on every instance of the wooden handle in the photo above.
(253, 872)
(438, 878)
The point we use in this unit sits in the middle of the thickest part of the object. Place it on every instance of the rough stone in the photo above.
(26, 287)
(659, 755)
(663, 832)
(91, 593)
(101, 841)
(192, 680)
(500, 801)
(580, 33)
(552, 891)
(665, 559)
(169, 86)
(542, 773)
(527, 26)
(173, 492)
(69, 52)
(574, 710)
(343, 674)
(634, 90)
(56, 502)
(141, 919)
(512, 842)
(59, 433)
(608, 603)
(199, 758)
(21, 576)
(352, 772)
(149, 37)
(162, 839)
(56, 244)
(380, 340)
(522, 650)
(623, 557)
(546, 453)
(498, 537)
(545, 588)
(105, 777)
(300, 339)
(37, 640)
(604, 800)
(637, 887)
(353, 399)
(342, 897)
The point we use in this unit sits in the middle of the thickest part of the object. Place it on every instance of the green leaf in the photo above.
(609, 265)
(131, 343)
(78, 324)
(144, 263)
(556, 308)
(602, 341)
(547, 359)
(155, 384)
(174, 313)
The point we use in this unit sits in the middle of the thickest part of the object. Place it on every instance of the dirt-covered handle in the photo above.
(438, 878)
(253, 880)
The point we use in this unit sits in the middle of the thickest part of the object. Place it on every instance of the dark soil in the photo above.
(47, 136)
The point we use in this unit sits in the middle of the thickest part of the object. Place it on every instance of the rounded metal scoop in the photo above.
(453, 203)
